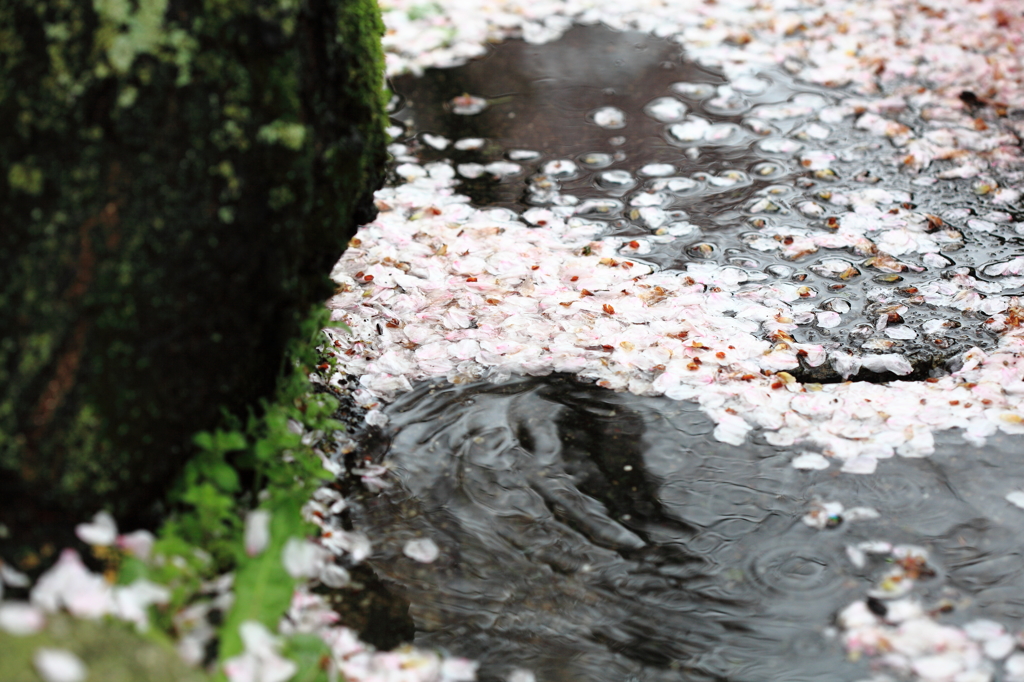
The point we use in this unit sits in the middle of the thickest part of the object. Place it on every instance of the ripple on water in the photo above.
(893, 493)
(796, 570)
(608, 518)
(980, 555)
(913, 495)
(616, 522)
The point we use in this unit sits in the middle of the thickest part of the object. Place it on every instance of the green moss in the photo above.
(181, 175)
(128, 30)
(291, 135)
(25, 178)
(110, 651)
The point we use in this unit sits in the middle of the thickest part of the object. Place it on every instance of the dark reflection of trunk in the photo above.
(593, 535)
(550, 533)
(602, 453)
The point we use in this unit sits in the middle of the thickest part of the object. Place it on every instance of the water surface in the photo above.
(592, 535)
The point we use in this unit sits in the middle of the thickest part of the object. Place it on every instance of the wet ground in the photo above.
(592, 535)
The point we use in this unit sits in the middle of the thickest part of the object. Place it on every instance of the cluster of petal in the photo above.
(261, 661)
(359, 662)
(436, 288)
(59, 665)
(865, 44)
(901, 636)
(70, 585)
(874, 48)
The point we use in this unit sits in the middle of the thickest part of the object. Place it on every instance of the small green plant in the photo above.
(261, 464)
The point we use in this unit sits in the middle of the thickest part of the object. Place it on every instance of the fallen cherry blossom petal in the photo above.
(257, 531)
(423, 550)
(59, 665)
(102, 531)
(21, 619)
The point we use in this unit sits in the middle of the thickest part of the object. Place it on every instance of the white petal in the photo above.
(356, 544)
(423, 550)
(467, 143)
(810, 460)
(257, 531)
(334, 576)
(132, 602)
(864, 464)
(257, 639)
(857, 557)
(376, 418)
(887, 362)
(436, 141)
(59, 665)
(70, 584)
(999, 647)
(139, 543)
(274, 668)
(982, 629)
(13, 577)
(731, 429)
(102, 531)
(860, 513)
(856, 615)
(242, 668)
(20, 619)
(942, 666)
(1015, 668)
(609, 117)
(464, 670)
(301, 558)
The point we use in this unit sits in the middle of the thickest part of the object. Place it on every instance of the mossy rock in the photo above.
(110, 651)
(178, 178)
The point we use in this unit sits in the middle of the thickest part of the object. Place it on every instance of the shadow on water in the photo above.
(592, 535)
(589, 535)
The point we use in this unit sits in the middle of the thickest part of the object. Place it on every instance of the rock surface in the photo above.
(178, 180)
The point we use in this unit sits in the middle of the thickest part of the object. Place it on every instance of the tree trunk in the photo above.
(179, 176)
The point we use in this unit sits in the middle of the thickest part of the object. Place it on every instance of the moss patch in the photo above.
(181, 175)
(112, 652)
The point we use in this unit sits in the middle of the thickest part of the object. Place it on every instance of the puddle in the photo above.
(764, 175)
(592, 535)
(554, 526)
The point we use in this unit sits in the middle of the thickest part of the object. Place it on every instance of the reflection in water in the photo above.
(542, 94)
(593, 535)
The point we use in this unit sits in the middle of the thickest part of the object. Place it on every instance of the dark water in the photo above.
(589, 535)
(593, 535)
